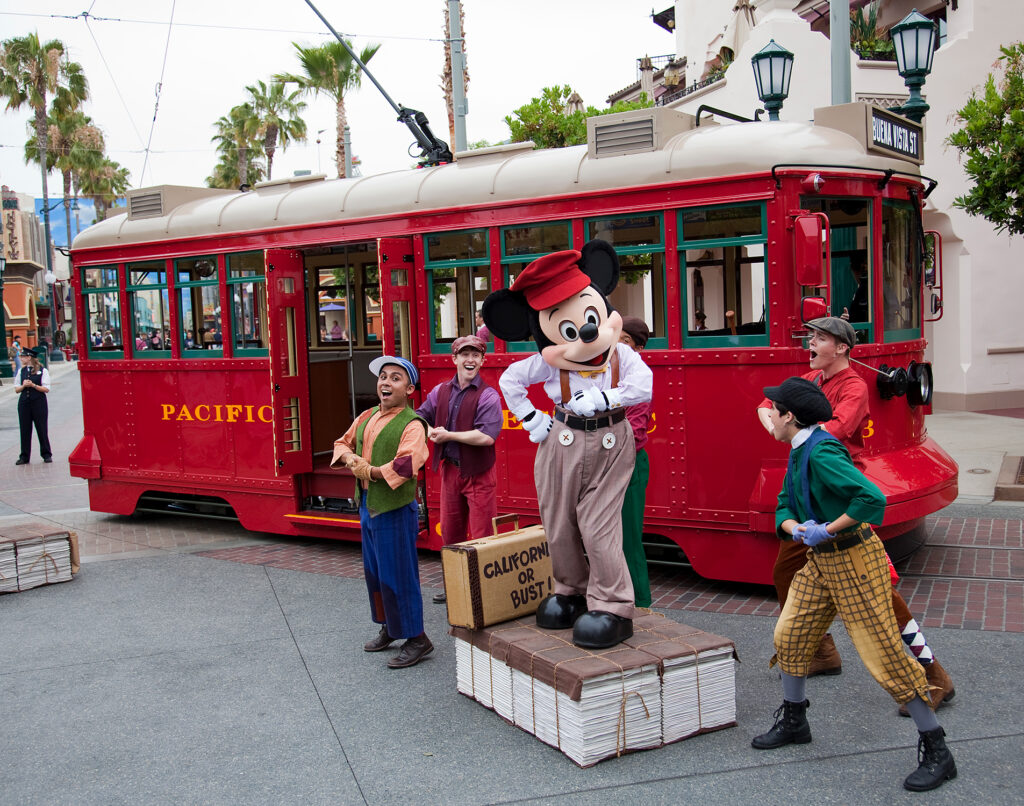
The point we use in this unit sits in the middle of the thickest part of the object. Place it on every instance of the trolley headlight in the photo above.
(919, 386)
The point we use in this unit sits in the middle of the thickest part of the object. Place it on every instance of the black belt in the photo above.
(590, 423)
(856, 536)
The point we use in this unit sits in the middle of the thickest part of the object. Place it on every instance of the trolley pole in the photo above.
(839, 39)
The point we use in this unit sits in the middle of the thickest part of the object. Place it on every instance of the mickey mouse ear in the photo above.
(507, 315)
(601, 265)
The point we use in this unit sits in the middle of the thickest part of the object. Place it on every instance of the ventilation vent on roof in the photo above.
(148, 204)
(634, 131)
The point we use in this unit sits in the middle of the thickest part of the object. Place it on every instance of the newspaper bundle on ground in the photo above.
(33, 555)
(669, 681)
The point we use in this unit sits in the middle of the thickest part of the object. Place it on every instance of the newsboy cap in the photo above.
(802, 397)
(837, 327)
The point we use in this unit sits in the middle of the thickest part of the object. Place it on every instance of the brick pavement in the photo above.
(969, 575)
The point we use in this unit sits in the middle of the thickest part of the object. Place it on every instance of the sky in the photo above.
(203, 63)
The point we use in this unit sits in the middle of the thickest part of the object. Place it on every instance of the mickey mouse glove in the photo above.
(538, 423)
(587, 402)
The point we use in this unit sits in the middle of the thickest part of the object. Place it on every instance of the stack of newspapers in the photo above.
(8, 568)
(669, 681)
(43, 561)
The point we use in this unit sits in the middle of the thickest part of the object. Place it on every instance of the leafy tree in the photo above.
(31, 72)
(75, 145)
(104, 183)
(550, 122)
(992, 143)
(329, 69)
(278, 113)
(238, 138)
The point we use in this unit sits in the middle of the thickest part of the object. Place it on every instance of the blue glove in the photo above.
(798, 531)
(816, 533)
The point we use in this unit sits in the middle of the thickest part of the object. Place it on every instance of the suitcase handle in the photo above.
(501, 520)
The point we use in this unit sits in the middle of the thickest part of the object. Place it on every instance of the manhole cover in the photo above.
(979, 471)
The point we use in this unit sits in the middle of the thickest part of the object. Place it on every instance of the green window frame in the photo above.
(900, 273)
(632, 271)
(247, 296)
(101, 287)
(442, 269)
(144, 280)
(523, 243)
(196, 292)
(709, 245)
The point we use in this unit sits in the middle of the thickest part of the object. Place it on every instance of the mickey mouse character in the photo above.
(586, 451)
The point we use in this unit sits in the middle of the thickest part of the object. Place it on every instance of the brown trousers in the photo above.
(793, 556)
(854, 583)
(580, 488)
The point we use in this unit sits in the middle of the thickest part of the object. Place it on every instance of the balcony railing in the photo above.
(669, 97)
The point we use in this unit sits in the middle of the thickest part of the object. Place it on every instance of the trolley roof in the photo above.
(488, 177)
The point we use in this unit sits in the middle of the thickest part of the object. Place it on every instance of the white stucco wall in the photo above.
(983, 271)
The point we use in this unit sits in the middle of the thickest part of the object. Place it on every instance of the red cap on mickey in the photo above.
(551, 279)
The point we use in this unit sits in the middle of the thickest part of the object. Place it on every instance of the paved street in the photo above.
(191, 661)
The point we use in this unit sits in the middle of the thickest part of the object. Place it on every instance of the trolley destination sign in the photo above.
(896, 135)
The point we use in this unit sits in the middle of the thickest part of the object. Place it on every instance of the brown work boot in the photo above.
(382, 641)
(826, 660)
(413, 651)
(943, 691)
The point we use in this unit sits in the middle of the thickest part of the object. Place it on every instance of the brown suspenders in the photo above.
(563, 376)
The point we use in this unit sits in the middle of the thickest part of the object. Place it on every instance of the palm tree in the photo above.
(331, 70)
(75, 144)
(236, 138)
(104, 183)
(225, 172)
(278, 115)
(30, 71)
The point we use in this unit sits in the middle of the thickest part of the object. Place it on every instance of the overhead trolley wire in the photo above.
(159, 87)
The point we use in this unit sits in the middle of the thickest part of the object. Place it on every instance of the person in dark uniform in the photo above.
(32, 385)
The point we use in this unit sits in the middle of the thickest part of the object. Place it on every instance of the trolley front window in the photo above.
(725, 294)
(149, 308)
(102, 311)
(901, 272)
(639, 242)
(199, 308)
(247, 292)
(520, 245)
(458, 279)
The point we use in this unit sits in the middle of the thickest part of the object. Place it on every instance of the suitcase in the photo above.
(497, 578)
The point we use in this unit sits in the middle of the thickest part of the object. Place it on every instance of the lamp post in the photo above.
(773, 67)
(914, 40)
(6, 370)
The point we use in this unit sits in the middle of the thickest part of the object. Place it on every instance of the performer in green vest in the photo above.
(385, 448)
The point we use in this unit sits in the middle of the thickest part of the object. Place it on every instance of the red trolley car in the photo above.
(230, 332)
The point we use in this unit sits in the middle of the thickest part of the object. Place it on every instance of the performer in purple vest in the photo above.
(465, 418)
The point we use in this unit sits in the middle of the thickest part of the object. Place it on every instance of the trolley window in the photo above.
(247, 292)
(347, 297)
(458, 279)
(639, 241)
(901, 272)
(102, 309)
(149, 309)
(199, 312)
(522, 244)
(849, 221)
(724, 296)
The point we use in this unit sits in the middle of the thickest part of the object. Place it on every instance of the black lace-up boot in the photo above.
(935, 763)
(790, 727)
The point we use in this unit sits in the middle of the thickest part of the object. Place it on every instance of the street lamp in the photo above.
(6, 369)
(914, 40)
(773, 67)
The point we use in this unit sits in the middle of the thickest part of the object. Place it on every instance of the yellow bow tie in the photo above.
(591, 373)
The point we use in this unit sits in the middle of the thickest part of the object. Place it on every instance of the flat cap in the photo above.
(802, 397)
(837, 327)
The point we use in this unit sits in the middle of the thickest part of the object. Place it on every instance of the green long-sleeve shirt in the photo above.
(836, 487)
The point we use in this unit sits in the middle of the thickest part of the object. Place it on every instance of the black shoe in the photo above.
(21, 462)
(413, 651)
(599, 630)
(935, 763)
(440, 598)
(790, 727)
(559, 612)
(48, 459)
(382, 641)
